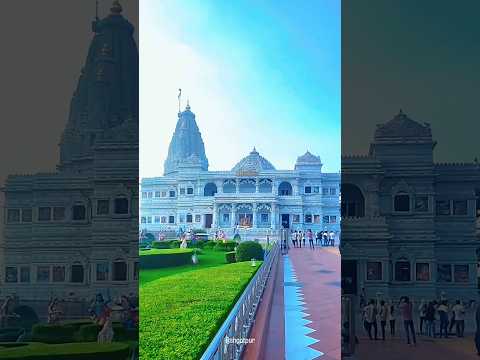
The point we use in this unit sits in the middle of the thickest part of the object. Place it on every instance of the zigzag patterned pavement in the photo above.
(312, 304)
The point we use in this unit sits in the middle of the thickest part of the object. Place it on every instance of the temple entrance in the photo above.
(349, 277)
(245, 219)
(286, 221)
(208, 221)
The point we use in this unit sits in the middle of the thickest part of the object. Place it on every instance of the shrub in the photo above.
(230, 257)
(160, 258)
(87, 333)
(73, 351)
(10, 334)
(210, 244)
(161, 244)
(225, 246)
(175, 244)
(248, 250)
(53, 333)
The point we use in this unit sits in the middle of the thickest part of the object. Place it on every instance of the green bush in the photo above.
(10, 334)
(161, 244)
(210, 244)
(53, 333)
(248, 250)
(175, 244)
(160, 258)
(73, 351)
(225, 246)
(230, 257)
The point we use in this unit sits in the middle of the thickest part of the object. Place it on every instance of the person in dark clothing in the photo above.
(443, 313)
(406, 308)
(477, 332)
(304, 235)
(391, 316)
(310, 239)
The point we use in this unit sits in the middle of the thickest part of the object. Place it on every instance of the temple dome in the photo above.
(401, 126)
(254, 162)
(309, 159)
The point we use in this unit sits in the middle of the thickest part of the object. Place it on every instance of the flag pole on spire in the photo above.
(179, 100)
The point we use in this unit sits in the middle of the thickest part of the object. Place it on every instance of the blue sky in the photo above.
(257, 73)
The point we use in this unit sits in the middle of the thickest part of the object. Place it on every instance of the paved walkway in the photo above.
(312, 307)
(397, 349)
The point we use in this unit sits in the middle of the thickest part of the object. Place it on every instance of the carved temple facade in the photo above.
(409, 225)
(253, 199)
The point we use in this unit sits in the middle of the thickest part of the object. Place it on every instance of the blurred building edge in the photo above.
(409, 225)
(73, 233)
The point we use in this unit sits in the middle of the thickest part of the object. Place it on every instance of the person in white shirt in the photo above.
(459, 311)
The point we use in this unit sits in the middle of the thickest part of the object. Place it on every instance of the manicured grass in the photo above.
(73, 351)
(181, 311)
(207, 258)
(164, 251)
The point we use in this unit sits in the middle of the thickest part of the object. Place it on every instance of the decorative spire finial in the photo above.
(401, 112)
(188, 105)
(179, 100)
(116, 8)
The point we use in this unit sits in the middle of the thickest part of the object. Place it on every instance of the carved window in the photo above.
(79, 212)
(13, 216)
(43, 273)
(422, 271)
(171, 219)
(402, 271)
(401, 202)
(308, 189)
(103, 207)
(11, 274)
(77, 273)
(189, 218)
(44, 213)
(102, 270)
(460, 207)
(374, 271)
(25, 274)
(119, 271)
(121, 205)
(58, 273)
(26, 215)
(421, 203)
(58, 213)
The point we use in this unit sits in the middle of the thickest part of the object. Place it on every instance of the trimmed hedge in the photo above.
(225, 246)
(161, 244)
(73, 351)
(89, 332)
(53, 333)
(210, 244)
(230, 257)
(160, 258)
(10, 334)
(248, 250)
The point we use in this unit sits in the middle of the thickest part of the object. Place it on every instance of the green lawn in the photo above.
(181, 308)
(208, 258)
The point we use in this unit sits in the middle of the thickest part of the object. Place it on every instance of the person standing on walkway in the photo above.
(391, 318)
(443, 314)
(430, 319)
(406, 309)
(459, 311)
(294, 239)
(383, 315)
(318, 238)
(422, 310)
(371, 317)
(304, 235)
(477, 330)
(452, 321)
(299, 238)
(310, 239)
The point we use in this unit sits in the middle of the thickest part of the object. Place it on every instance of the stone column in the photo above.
(237, 186)
(257, 185)
(232, 220)
(296, 186)
(215, 215)
(275, 187)
(254, 222)
(219, 187)
(273, 215)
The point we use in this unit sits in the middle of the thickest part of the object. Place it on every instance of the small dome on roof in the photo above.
(309, 159)
(402, 126)
(254, 162)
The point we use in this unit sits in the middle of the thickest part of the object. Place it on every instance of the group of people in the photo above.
(320, 238)
(449, 316)
(375, 312)
(380, 312)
